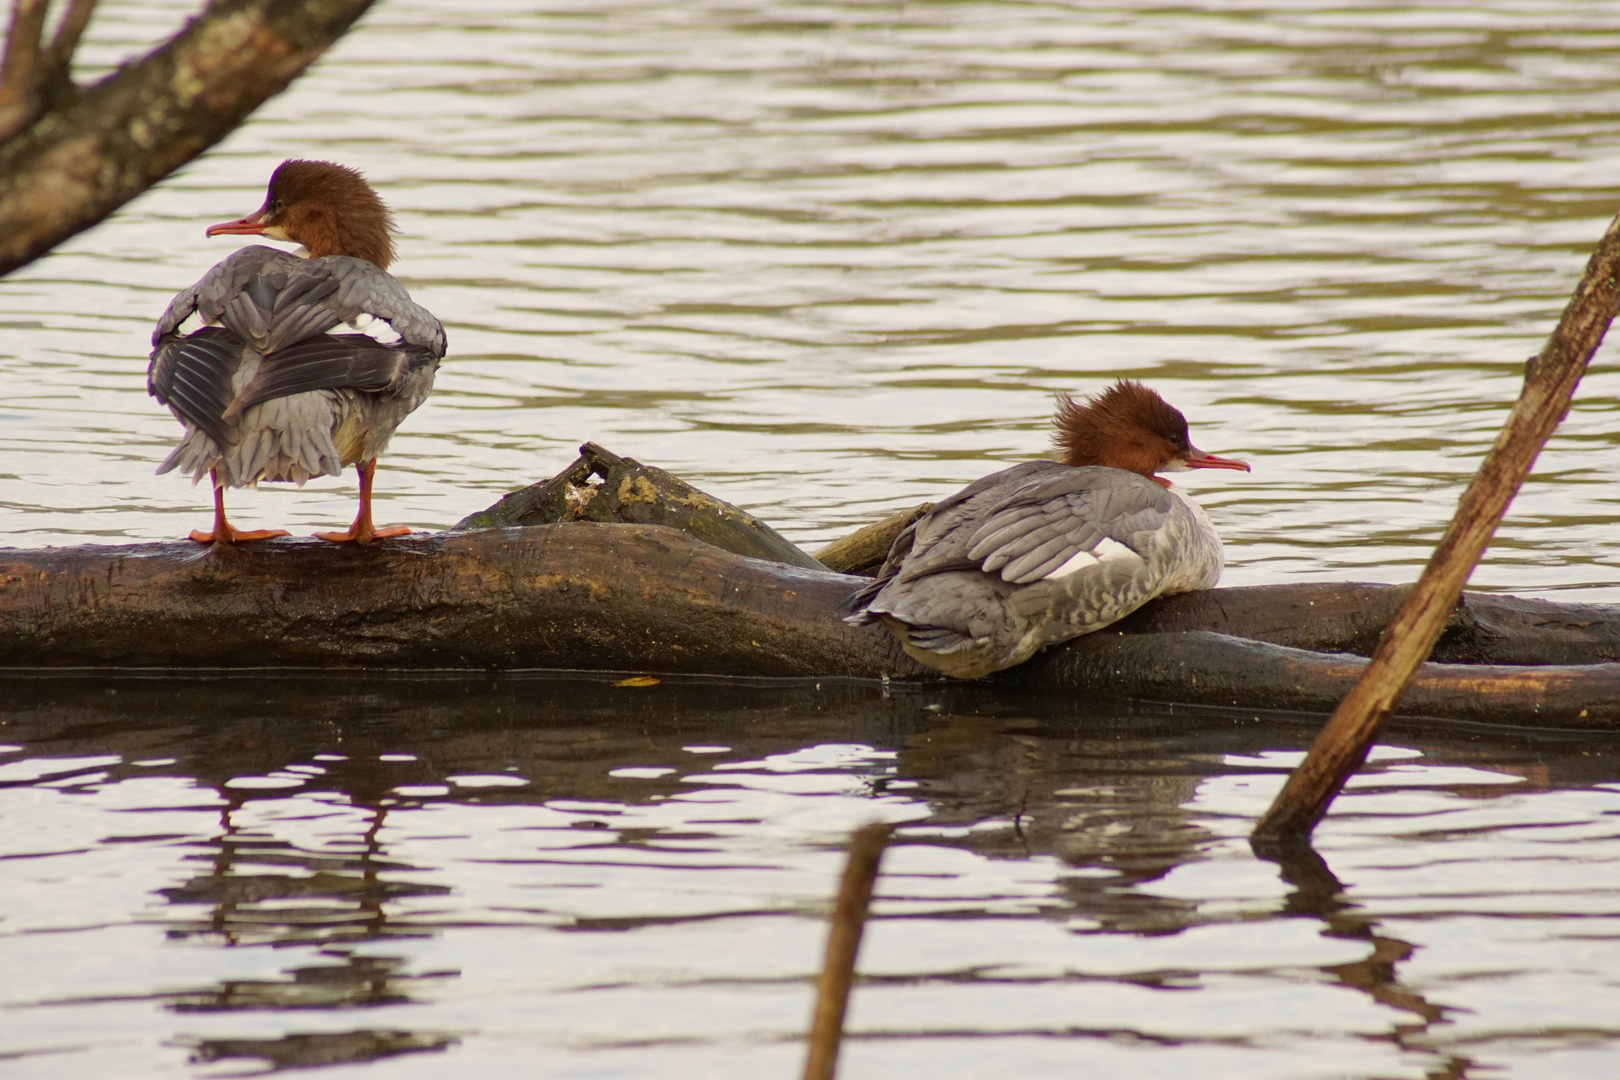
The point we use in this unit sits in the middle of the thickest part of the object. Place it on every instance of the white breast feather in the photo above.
(1106, 551)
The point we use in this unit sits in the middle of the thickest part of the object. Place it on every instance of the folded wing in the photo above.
(274, 311)
(959, 575)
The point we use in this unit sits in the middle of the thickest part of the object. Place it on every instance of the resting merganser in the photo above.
(265, 391)
(1046, 551)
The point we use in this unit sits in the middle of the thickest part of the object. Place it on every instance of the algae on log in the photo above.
(652, 599)
(601, 486)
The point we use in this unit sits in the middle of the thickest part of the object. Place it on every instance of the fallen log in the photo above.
(647, 598)
(580, 596)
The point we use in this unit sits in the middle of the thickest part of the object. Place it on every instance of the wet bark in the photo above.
(577, 595)
(648, 598)
(72, 156)
(1205, 668)
(1349, 617)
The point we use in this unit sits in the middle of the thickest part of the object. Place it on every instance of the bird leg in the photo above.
(362, 531)
(223, 533)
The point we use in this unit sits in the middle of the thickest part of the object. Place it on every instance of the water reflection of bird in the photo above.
(265, 390)
(1046, 551)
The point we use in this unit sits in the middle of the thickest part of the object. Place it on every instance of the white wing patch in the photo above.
(376, 328)
(1106, 551)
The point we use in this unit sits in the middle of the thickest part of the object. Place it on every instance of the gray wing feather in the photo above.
(1025, 522)
(216, 289)
(192, 375)
(365, 290)
(1034, 564)
(297, 311)
(273, 297)
(330, 362)
(1048, 520)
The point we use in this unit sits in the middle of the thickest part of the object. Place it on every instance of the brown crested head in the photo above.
(1130, 427)
(328, 208)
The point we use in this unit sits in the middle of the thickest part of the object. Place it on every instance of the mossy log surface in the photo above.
(603, 487)
(648, 598)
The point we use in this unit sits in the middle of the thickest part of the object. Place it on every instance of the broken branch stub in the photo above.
(863, 551)
(601, 486)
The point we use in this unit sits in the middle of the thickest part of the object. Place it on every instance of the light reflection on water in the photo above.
(824, 261)
(573, 879)
(829, 260)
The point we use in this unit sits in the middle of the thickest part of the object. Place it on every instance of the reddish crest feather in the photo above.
(331, 210)
(1127, 426)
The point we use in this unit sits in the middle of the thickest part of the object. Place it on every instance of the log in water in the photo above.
(649, 598)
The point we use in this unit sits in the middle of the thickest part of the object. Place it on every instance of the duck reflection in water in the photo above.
(1113, 793)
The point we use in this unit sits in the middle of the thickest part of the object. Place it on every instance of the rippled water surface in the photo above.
(830, 259)
(826, 260)
(540, 878)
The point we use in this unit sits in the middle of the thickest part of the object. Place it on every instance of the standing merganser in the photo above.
(264, 390)
(1046, 551)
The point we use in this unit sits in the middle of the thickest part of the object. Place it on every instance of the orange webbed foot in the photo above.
(237, 536)
(365, 536)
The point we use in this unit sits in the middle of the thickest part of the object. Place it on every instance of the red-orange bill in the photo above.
(1197, 459)
(252, 225)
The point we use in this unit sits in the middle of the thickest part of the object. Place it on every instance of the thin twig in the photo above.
(19, 73)
(843, 941)
(1549, 387)
(68, 33)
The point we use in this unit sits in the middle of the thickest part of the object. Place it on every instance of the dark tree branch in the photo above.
(843, 943)
(69, 31)
(79, 162)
